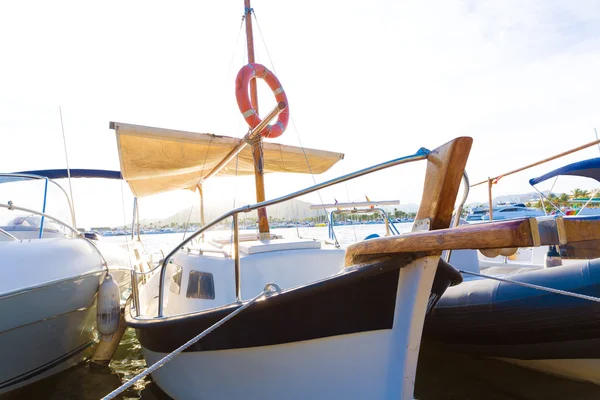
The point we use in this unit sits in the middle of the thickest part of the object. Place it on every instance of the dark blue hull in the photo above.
(497, 319)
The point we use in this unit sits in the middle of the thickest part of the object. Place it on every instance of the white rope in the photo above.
(532, 286)
(268, 290)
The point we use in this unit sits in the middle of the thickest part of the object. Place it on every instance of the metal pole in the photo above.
(201, 193)
(134, 292)
(133, 218)
(236, 249)
(43, 209)
(490, 201)
(541, 162)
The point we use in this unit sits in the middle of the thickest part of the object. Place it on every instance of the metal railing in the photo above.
(421, 154)
(11, 206)
(389, 224)
(31, 176)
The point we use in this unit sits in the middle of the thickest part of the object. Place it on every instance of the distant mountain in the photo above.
(288, 211)
(513, 198)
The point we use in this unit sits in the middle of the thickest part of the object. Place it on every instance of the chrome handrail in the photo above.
(377, 210)
(421, 154)
(6, 234)
(11, 206)
(32, 176)
(456, 218)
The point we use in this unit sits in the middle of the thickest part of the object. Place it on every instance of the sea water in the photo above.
(441, 374)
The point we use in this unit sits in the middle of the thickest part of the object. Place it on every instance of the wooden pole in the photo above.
(250, 137)
(257, 151)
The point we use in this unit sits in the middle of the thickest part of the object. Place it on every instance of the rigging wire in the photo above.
(237, 40)
(68, 169)
(291, 116)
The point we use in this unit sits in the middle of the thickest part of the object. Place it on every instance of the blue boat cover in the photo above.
(587, 168)
(75, 173)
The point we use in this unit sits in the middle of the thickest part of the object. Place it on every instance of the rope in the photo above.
(263, 40)
(267, 291)
(532, 286)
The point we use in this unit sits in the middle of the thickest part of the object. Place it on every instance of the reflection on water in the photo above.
(441, 375)
(446, 375)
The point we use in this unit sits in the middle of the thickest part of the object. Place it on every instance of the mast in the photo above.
(257, 150)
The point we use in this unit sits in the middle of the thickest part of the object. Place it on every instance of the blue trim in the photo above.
(587, 168)
(43, 208)
(75, 173)
(45, 367)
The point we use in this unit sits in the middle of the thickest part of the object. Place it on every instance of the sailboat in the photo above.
(52, 274)
(259, 315)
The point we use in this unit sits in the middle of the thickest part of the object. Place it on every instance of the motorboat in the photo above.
(512, 212)
(518, 322)
(51, 276)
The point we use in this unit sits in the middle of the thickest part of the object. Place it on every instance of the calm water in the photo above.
(441, 374)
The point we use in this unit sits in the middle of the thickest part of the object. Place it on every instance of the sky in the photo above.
(374, 80)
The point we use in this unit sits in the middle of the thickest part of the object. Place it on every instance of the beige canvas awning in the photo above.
(155, 160)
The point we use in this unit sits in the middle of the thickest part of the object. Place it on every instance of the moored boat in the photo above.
(516, 322)
(51, 277)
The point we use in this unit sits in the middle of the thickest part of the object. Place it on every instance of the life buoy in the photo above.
(245, 104)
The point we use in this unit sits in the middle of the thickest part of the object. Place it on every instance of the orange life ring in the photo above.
(245, 104)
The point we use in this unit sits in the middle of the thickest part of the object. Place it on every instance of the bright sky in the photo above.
(372, 79)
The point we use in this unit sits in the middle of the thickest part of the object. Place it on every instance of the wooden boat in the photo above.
(295, 317)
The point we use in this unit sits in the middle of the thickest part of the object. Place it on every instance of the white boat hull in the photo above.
(46, 330)
(313, 369)
(48, 305)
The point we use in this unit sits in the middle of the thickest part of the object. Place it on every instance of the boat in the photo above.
(512, 212)
(52, 273)
(311, 319)
(354, 208)
(546, 331)
(501, 212)
(336, 309)
(256, 314)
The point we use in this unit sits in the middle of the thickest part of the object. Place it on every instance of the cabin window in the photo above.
(201, 285)
(176, 280)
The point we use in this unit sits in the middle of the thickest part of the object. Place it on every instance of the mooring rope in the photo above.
(267, 291)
